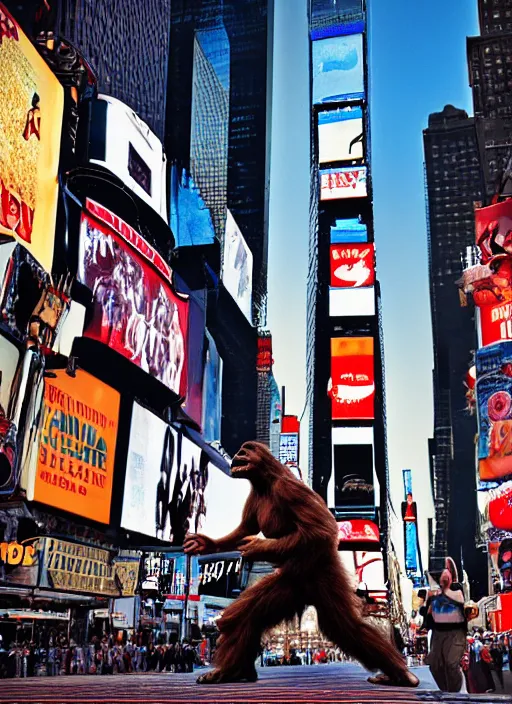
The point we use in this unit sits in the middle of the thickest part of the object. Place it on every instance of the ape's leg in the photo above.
(271, 600)
(340, 619)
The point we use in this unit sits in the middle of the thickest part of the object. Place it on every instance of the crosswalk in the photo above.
(345, 684)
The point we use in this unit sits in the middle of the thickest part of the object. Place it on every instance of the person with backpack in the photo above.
(446, 619)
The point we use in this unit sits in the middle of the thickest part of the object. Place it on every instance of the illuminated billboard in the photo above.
(136, 309)
(346, 182)
(340, 135)
(237, 267)
(358, 531)
(496, 323)
(351, 302)
(190, 219)
(224, 500)
(330, 19)
(122, 143)
(31, 107)
(9, 419)
(494, 410)
(338, 69)
(352, 265)
(352, 383)
(289, 449)
(212, 391)
(349, 230)
(165, 479)
(494, 230)
(499, 506)
(77, 445)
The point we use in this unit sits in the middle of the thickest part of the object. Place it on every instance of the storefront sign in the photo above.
(137, 313)
(31, 107)
(84, 568)
(19, 562)
(77, 445)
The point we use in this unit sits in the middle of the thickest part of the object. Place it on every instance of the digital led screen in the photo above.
(190, 219)
(352, 265)
(349, 230)
(352, 385)
(354, 490)
(9, 361)
(358, 531)
(496, 323)
(77, 445)
(136, 309)
(338, 69)
(212, 391)
(493, 226)
(340, 135)
(289, 449)
(31, 107)
(351, 302)
(224, 499)
(237, 267)
(346, 182)
(165, 482)
(131, 151)
(331, 18)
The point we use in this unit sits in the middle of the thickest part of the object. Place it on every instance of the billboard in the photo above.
(494, 411)
(190, 219)
(352, 383)
(494, 230)
(212, 391)
(358, 531)
(224, 500)
(340, 135)
(289, 449)
(77, 445)
(351, 302)
(349, 230)
(136, 310)
(31, 107)
(354, 488)
(122, 143)
(500, 506)
(352, 265)
(165, 479)
(9, 417)
(237, 267)
(328, 19)
(341, 183)
(496, 323)
(338, 69)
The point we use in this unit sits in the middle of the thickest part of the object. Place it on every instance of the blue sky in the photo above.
(418, 65)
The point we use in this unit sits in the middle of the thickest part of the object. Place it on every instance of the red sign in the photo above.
(352, 385)
(494, 229)
(290, 424)
(264, 359)
(496, 323)
(352, 265)
(358, 531)
(136, 309)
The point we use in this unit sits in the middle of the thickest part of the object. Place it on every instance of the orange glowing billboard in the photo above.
(77, 445)
(352, 384)
(31, 108)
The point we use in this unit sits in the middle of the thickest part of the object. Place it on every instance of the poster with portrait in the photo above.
(137, 312)
(494, 411)
(31, 108)
(166, 476)
(237, 261)
(77, 445)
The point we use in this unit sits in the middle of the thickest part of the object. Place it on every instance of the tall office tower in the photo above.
(348, 461)
(490, 77)
(454, 184)
(127, 47)
(219, 97)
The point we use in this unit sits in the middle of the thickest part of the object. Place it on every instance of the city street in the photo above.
(325, 683)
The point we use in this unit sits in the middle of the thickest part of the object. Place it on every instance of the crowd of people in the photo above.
(486, 656)
(103, 656)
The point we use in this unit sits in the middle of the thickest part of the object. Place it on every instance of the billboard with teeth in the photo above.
(352, 384)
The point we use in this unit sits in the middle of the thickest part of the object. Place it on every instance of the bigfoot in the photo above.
(301, 540)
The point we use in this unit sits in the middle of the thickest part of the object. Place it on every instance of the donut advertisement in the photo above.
(494, 408)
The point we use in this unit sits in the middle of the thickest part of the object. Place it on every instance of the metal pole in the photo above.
(283, 401)
(187, 591)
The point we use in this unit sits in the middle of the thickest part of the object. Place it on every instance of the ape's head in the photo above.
(254, 461)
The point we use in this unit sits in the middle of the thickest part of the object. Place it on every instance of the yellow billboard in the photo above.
(31, 108)
(77, 445)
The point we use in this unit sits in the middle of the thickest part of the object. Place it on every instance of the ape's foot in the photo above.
(218, 677)
(405, 680)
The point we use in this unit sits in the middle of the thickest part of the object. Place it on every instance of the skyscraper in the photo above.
(345, 392)
(454, 184)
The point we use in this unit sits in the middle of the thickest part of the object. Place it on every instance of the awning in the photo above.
(22, 614)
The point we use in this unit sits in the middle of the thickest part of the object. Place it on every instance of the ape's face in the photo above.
(253, 460)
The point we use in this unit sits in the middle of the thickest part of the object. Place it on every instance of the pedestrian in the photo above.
(449, 629)
(497, 659)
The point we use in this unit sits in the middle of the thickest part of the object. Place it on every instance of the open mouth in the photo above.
(238, 465)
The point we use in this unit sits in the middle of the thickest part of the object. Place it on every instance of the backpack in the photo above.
(446, 611)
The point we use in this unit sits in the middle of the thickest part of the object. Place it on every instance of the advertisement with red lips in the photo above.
(136, 310)
(352, 383)
(494, 407)
(352, 265)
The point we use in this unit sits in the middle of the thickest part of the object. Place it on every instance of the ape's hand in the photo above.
(253, 547)
(197, 544)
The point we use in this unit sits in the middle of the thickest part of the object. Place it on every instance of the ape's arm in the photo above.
(310, 526)
(200, 544)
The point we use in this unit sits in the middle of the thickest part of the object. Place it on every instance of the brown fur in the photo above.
(301, 540)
